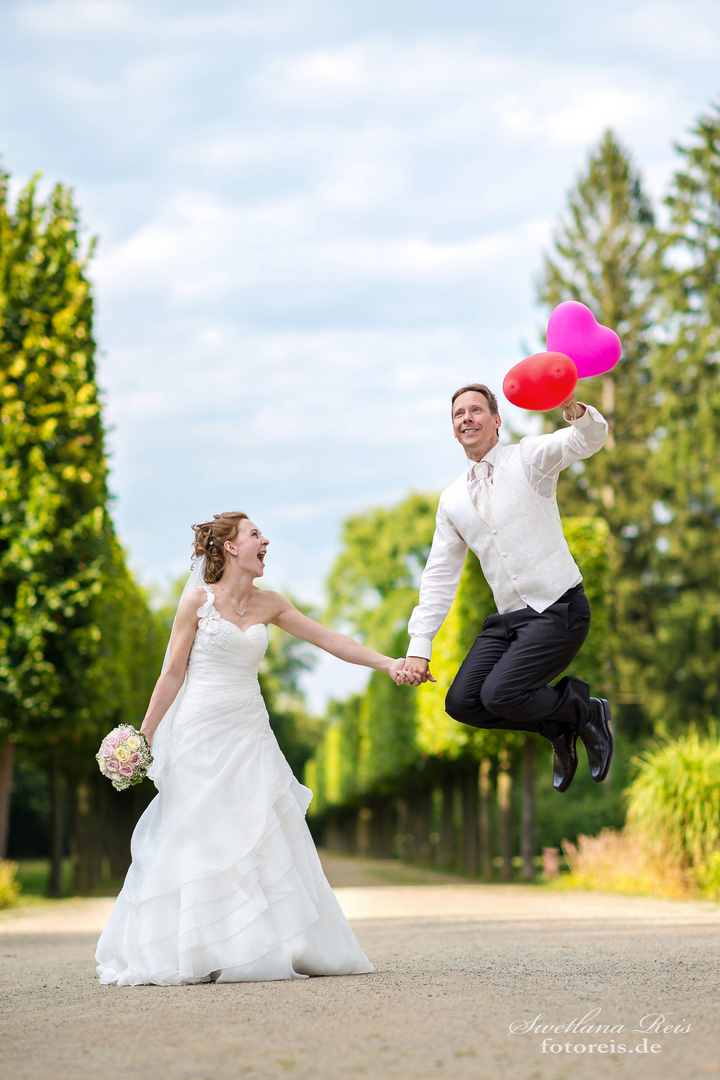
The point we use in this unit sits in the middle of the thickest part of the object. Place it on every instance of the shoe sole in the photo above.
(606, 717)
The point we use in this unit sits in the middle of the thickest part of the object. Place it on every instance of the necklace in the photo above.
(240, 613)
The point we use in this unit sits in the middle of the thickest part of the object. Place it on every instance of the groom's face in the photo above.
(474, 425)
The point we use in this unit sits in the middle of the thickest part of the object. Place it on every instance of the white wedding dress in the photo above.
(225, 882)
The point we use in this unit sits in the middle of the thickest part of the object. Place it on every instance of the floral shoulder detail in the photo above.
(209, 617)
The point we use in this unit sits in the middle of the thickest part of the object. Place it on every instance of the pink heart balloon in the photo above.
(574, 331)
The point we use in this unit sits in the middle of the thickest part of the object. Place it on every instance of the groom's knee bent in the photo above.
(501, 701)
(458, 705)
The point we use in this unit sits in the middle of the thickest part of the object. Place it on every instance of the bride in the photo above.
(225, 883)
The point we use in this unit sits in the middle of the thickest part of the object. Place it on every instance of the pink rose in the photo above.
(113, 765)
(112, 740)
(126, 770)
(135, 758)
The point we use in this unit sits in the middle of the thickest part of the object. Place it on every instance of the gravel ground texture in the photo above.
(467, 976)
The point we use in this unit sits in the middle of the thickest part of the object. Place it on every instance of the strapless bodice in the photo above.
(223, 653)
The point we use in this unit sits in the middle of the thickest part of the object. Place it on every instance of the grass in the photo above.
(34, 874)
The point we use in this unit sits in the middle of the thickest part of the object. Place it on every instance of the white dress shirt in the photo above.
(510, 520)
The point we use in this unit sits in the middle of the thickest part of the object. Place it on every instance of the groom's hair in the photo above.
(478, 388)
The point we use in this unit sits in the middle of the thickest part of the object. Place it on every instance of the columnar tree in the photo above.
(78, 645)
(54, 525)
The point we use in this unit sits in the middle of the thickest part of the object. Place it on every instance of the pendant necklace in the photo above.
(240, 613)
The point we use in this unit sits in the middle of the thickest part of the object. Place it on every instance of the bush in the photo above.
(674, 800)
(9, 885)
(670, 844)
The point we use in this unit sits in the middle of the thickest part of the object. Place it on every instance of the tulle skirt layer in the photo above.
(225, 883)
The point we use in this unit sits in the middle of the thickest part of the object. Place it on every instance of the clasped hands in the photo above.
(411, 671)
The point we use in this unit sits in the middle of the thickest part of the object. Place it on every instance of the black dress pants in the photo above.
(503, 680)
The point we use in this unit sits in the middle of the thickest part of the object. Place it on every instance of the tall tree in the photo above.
(373, 583)
(604, 256)
(687, 362)
(76, 635)
(54, 527)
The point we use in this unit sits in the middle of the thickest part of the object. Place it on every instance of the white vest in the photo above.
(520, 543)
(522, 550)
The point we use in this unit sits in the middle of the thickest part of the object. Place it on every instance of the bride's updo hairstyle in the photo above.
(210, 539)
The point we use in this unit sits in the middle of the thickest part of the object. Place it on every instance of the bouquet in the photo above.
(124, 757)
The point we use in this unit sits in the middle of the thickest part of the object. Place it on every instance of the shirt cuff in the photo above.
(420, 646)
(582, 421)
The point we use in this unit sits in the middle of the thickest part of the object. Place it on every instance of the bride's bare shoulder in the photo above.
(192, 600)
(273, 602)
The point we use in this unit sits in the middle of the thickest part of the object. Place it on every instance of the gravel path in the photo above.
(457, 965)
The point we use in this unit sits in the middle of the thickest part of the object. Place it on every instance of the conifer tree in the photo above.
(687, 361)
(603, 256)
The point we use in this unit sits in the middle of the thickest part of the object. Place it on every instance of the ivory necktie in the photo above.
(482, 475)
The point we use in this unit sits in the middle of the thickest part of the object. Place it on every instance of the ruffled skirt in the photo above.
(225, 882)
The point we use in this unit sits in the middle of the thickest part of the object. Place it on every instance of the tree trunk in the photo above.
(332, 840)
(404, 840)
(57, 831)
(504, 786)
(86, 831)
(7, 761)
(422, 819)
(470, 818)
(362, 835)
(445, 854)
(383, 828)
(527, 842)
(486, 855)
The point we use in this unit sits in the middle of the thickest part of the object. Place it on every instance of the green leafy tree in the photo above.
(54, 525)
(373, 583)
(79, 648)
(372, 589)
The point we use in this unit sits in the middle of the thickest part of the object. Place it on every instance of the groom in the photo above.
(504, 509)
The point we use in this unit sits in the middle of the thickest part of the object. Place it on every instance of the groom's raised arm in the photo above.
(438, 585)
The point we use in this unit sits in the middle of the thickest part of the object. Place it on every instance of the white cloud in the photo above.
(263, 23)
(688, 30)
(98, 18)
(70, 17)
(197, 246)
(576, 119)
(384, 69)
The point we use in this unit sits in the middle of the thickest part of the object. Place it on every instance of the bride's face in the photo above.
(249, 547)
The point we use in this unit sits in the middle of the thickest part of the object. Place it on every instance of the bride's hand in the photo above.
(401, 675)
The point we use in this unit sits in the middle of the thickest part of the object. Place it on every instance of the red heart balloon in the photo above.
(542, 381)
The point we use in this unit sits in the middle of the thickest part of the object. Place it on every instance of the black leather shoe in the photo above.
(565, 760)
(598, 740)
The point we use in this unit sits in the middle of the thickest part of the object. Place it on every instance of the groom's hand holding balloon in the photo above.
(572, 408)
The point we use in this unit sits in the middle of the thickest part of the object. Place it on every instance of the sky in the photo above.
(315, 220)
